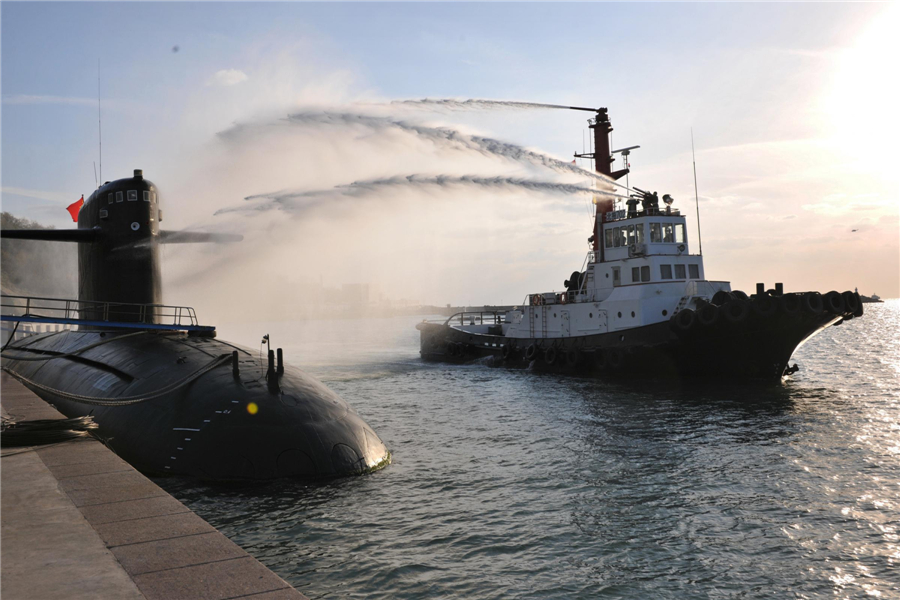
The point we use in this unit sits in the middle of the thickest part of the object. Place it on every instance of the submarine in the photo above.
(166, 394)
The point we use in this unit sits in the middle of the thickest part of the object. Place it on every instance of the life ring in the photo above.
(834, 303)
(615, 358)
(550, 356)
(506, 352)
(563, 297)
(573, 357)
(790, 304)
(764, 305)
(531, 352)
(812, 302)
(708, 315)
(736, 311)
(721, 297)
(851, 302)
(537, 299)
(684, 320)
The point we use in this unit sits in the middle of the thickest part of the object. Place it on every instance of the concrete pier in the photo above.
(79, 522)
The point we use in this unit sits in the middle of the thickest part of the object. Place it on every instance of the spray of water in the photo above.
(444, 136)
(475, 103)
(301, 202)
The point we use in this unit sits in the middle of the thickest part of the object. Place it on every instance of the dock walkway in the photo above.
(79, 522)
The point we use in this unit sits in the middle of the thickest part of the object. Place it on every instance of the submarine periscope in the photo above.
(168, 396)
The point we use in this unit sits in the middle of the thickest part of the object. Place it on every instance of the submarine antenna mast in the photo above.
(99, 122)
(696, 193)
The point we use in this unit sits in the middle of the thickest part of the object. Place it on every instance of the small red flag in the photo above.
(75, 207)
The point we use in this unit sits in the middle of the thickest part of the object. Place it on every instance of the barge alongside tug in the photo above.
(642, 304)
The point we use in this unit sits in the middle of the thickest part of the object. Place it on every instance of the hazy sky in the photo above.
(792, 108)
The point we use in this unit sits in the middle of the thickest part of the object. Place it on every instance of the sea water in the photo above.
(513, 484)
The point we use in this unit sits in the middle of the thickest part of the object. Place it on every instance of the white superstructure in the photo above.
(641, 272)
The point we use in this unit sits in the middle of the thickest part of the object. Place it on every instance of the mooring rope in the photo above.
(127, 400)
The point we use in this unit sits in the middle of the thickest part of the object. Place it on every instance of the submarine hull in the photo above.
(757, 347)
(173, 404)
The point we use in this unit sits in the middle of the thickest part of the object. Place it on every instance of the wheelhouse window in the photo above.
(694, 271)
(635, 274)
(679, 272)
(617, 238)
(679, 233)
(609, 238)
(665, 271)
(668, 233)
(645, 273)
(655, 233)
(630, 234)
(120, 197)
(110, 197)
(146, 196)
(132, 195)
(639, 233)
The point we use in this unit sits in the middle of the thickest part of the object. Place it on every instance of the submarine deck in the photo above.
(79, 522)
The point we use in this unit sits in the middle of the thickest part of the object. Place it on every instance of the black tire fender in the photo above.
(812, 303)
(765, 305)
(573, 357)
(708, 315)
(736, 311)
(550, 356)
(834, 302)
(615, 358)
(531, 352)
(851, 302)
(791, 303)
(684, 320)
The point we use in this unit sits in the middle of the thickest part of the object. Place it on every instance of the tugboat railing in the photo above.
(477, 318)
(61, 310)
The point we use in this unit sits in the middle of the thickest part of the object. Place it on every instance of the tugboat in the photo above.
(641, 305)
(168, 396)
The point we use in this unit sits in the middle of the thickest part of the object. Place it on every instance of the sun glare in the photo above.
(861, 104)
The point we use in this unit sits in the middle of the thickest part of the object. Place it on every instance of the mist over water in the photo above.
(512, 484)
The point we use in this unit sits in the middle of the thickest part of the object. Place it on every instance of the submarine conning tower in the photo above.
(121, 262)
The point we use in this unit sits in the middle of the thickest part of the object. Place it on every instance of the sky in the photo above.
(791, 108)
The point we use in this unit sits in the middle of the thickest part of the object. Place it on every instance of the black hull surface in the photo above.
(217, 425)
(754, 347)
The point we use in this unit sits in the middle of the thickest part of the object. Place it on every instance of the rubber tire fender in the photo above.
(740, 295)
(812, 303)
(834, 302)
(615, 358)
(721, 297)
(684, 320)
(736, 311)
(452, 350)
(708, 315)
(600, 359)
(550, 356)
(851, 302)
(791, 303)
(506, 352)
(764, 305)
(531, 352)
(859, 312)
(573, 357)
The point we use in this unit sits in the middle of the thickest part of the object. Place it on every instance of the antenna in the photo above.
(696, 193)
(99, 122)
(95, 175)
